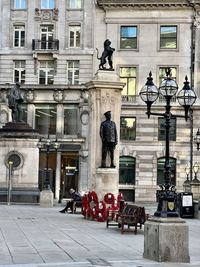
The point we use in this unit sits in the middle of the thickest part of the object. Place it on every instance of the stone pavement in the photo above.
(31, 236)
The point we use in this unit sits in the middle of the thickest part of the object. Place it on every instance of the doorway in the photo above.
(69, 173)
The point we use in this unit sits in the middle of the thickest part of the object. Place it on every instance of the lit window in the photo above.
(168, 37)
(74, 36)
(19, 36)
(20, 4)
(128, 37)
(127, 128)
(128, 76)
(73, 71)
(19, 71)
(45, 118)
(160, 170)
(46, 72)
(75, 4)
(47, 4)
(70, 120)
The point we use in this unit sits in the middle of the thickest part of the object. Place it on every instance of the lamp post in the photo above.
(197, 139)
(10, 164)
(186, 98)
(195, 169)
(47, 144)
(186, 184)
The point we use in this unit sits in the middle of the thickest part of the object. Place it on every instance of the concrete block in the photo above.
(46, 198)
(166, 240)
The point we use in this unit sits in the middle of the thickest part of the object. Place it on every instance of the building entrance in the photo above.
(69, 173)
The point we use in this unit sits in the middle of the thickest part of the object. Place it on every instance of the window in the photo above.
(127, 128)
(168, 37)
(127, 170)
(160, 170)
(70, 120)
(128, 37)
(47, 4)
(73, 71)
(128, 76)
(19, 71)
(19, 36)
(46, 33)
(74, 36)
(162, 130)
(45, 118)
(75, 4)
(46, 72)
(20, 4)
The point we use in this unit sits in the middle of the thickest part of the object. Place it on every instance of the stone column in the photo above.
(197, 54)
(58, 169)
(104, 95)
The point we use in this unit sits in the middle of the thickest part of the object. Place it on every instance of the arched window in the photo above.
(127, 177)
(127, 170)
(160, 170)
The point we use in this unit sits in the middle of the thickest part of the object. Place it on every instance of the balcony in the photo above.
(39, 45)
(128, 99)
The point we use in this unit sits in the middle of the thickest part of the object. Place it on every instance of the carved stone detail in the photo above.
(58, 95)
(47, 14)
(107, 99)
(29, 96)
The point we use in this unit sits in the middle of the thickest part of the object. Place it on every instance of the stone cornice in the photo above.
(149, 4)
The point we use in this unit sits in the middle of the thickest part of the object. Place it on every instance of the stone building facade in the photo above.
(50, 48)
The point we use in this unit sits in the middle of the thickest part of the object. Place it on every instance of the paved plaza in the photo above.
(34, 236)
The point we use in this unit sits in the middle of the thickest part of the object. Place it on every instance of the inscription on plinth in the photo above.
(166, 240)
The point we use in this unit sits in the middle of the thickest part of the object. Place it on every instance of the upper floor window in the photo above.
(47, 4)
(168, 37)
(75, 4)
(19, 71)
(128, 76)
(73, 71)
(20, 4)
(74, 36)
(19, 36)
(46, 72)
(162, 129)
(128, 37)
(127, 128)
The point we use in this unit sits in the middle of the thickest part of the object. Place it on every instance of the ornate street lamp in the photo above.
(186, 184)
(47, 144)
(195, 169)
(186, 98)
(197, 139)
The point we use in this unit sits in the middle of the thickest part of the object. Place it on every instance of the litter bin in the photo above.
(185, 205)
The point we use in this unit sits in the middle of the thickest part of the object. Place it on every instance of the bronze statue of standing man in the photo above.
(108, 133)
(15, 100)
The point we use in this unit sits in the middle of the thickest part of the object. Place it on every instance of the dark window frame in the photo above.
(132, 40)
(171, 39)
(125, 132)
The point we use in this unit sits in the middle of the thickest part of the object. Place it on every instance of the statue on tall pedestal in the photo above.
(108, 133)
(15, 101)
(106, 55)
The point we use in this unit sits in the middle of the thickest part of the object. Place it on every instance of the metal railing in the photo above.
(45, 45)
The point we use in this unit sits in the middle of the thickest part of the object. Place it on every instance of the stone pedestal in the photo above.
(46, 198)
(107, 181)
(18, 144)
(104, 95)
(166, 240)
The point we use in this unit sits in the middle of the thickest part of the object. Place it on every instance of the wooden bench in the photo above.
(131, 215)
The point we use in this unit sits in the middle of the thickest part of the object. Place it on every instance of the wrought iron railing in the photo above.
(45, 45)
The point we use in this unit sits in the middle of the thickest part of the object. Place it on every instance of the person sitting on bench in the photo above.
(76, 197)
